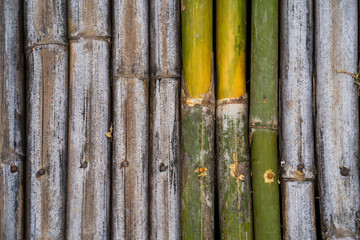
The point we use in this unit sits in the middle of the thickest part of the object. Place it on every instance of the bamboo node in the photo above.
(269, 176)
(201, 171)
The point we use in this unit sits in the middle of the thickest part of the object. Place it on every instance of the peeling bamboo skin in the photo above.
(263, 119)
(130, 159)
(130, 67)
(297, 138)
(88, 200)
(337, 122)
(165, 56)
(165, 72)
(47, 90)
(197, 149)
(234, 174)
(298, 193)
(12, 121)
(47, 118)
(165, 157)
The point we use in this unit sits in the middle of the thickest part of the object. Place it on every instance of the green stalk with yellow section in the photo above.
(197, 121)
(234, 176)
(264, 119)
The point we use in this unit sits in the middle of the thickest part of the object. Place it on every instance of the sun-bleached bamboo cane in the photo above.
(337, 120)
(297, 138)
(165, 72)
(46, 118)
(264, 119)
(12, 121)
(130, 66)
(234, 176)
(88, 198)
(197, 121)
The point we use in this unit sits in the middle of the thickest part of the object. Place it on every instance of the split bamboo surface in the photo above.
(264, 119)
(12, 121)
(297, 135)
(337, 119)
(46, 118)
(88, 191)
(165, 72)
(130, 66)
(234, 175)
(197, 121)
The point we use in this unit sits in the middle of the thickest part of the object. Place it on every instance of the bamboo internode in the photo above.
(88, 194)
(12, 121)
(337, 119)
(165, 71)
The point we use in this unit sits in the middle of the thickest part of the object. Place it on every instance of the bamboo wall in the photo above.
(179, 119)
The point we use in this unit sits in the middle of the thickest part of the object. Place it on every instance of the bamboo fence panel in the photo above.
(297, 138)
(234, 174)
(130, 67)
(197, 121)
(337, 119)
(264, 119)
(46, 118)
(165, 72)
(12, 121)
(88, 198)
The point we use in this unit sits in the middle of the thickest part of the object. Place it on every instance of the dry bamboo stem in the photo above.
(12, 121)
(130, 109)
(88, 199)
(47, 105)
(297, 153)
(165, 70)
(337, 121)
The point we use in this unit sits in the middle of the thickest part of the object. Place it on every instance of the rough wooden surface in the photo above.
(165, 71)
(12, 121)
(297, 135)
(46, 124)
(337, 120)
(130, 67)
(88, 199)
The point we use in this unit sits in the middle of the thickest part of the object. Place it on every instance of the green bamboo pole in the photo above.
(234, 183)
(197, 119)
(264, 119)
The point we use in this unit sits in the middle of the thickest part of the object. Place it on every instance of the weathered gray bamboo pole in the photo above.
(337, 121)
(12, 121)
(165, 70)
(47, 105)
(297, 153)
(130, 67)
(88, 199)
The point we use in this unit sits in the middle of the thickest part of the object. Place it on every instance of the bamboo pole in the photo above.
(297, 140)
(234, 176)
(337, 121)
(12, 121)
(264, 119)
(197, 119)
(88, 199)
(131, 113)
(165, 70)
(47, 105)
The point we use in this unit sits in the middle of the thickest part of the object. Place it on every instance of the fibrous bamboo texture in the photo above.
(197, 121)
(234, 173)
(130, 67)
(264, 119)
(47, 110)
(337, 120)
(297, 138)
(88, 199)
(12, 121)
(165, 72)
